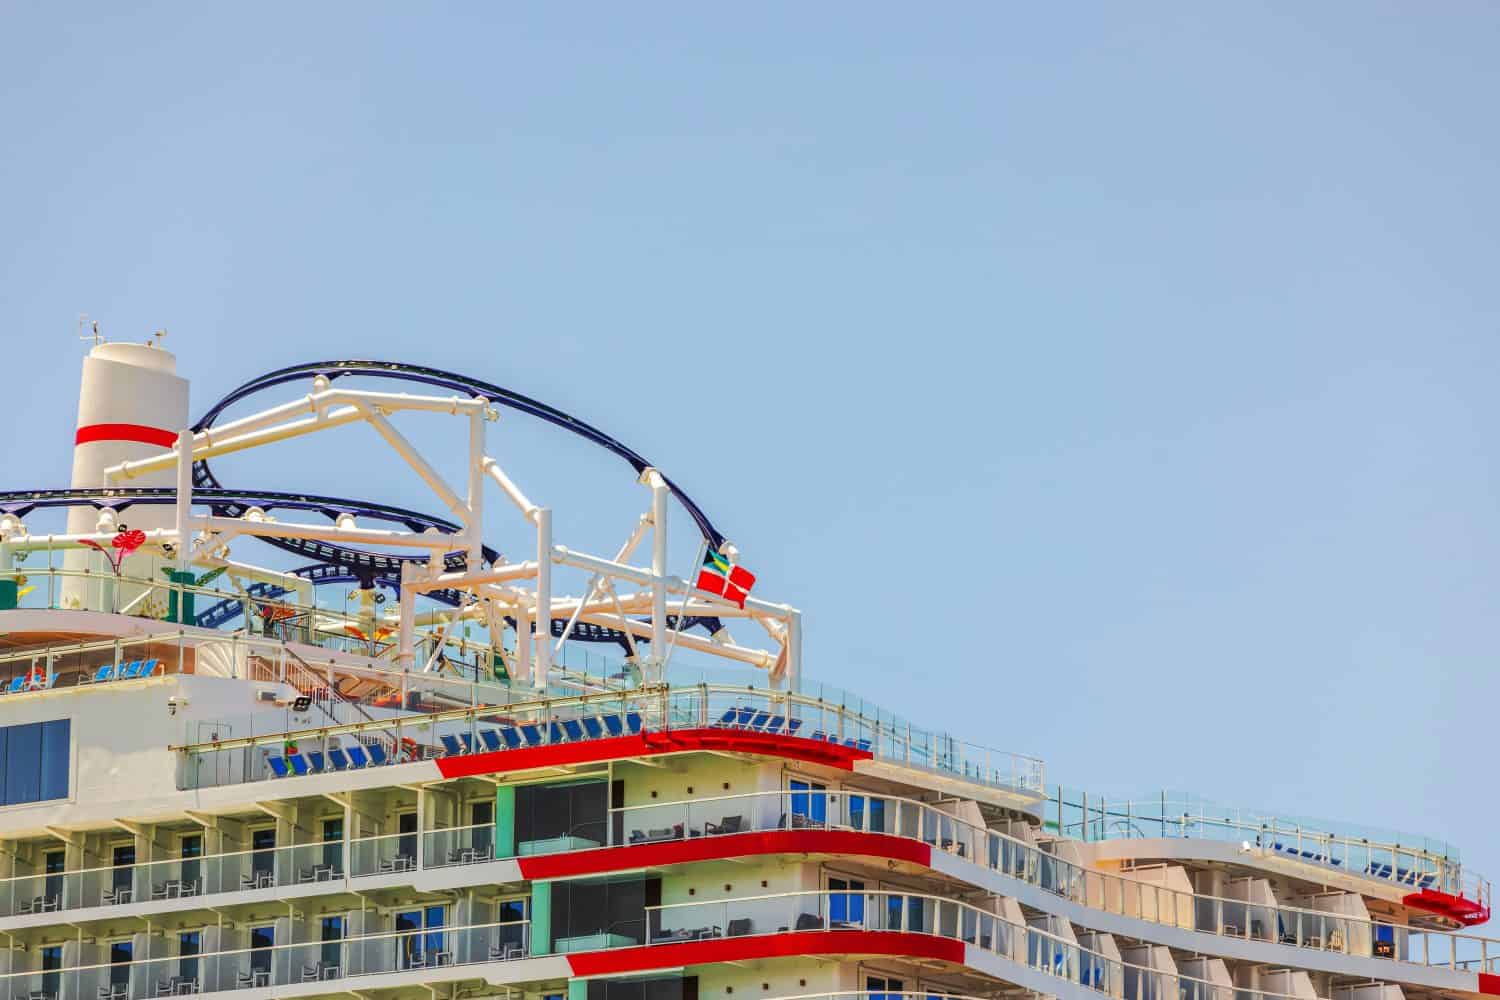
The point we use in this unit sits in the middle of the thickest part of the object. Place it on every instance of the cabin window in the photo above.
(37, 762)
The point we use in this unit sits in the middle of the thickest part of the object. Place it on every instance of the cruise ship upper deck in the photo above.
(271, 743)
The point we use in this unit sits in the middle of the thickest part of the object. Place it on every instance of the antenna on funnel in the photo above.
(93, 329)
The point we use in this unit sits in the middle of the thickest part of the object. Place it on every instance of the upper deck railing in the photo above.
(1407, 860)
(579, 718)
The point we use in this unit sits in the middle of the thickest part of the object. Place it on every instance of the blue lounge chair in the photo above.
(727, 719)
(554, 733)
(792, 726)
(774, 726)
(377, 754)
(531, 734)
(510, 736)
(450, 744)
(593, 727)
(613, 724)
(131, 671)
(148, 668)
(315, 762)
(278, 766)
(357, 756)
(491, 739)
(467, 739)
(104, 673)
(298, 763)
(16, 685)
(573, 729)
(337, 760)
(633, 721)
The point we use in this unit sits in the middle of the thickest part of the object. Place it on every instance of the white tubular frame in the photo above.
(521, 591)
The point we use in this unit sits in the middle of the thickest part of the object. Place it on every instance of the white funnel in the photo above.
(131, 405)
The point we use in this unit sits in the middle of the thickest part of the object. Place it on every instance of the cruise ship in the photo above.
(259, 742)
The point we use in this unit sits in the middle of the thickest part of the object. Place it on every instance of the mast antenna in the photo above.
(88, 330)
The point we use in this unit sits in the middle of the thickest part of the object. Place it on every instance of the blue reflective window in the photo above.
(37, 760)
(56, 747)
(23, 760)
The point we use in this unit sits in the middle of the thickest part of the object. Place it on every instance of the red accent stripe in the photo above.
(139, 433)
(651, 744)
(1468, 912)
(1489, 983)
(739, 845)
(743, 949)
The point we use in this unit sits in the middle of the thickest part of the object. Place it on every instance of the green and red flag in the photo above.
(719, 575)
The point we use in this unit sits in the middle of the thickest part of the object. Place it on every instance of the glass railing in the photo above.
(759, 812)
(489, 728)
(916, 913)
(1407, 860)
(276, 966)
(432, 949)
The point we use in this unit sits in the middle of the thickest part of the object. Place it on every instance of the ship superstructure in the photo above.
(267, 743)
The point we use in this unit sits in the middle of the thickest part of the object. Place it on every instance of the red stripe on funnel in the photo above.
(139, 433)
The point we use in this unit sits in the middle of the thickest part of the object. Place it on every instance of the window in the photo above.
(332, 934)
(54, 862)
(189, 945)
(482, 819)
(192, 850)
(419, 948)
(884, 987)
(406, 845)
(52, 970)
(263, 843)
(846, 902)
(262, 940)
(867, 813)
(120, 954)
(809, 803)
(333, 844)
(38, 761)
(123, 877)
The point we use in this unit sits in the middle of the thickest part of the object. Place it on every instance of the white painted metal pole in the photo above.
(659, 497)
(543, 595)
(793, 650)
(476, 490)
(184, 498)
(406, 653)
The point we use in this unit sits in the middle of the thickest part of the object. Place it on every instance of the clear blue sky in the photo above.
(1115, 383)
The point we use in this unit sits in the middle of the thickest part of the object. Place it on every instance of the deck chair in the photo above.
(357, 756)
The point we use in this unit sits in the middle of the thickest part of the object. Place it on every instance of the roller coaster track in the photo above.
(338, 563)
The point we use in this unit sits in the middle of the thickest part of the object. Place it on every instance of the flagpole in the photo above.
(686, 592)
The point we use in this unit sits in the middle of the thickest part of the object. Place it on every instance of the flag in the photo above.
(720, 576)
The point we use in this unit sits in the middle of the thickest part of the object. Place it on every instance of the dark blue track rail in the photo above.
(453, 382)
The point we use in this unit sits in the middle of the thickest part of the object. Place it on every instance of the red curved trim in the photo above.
(139, 433)
(651, 744)
(1468, 912)
(735, 845)
(743, 949)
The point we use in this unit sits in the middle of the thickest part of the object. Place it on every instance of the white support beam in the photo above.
(436, 542)
(493, 470)
(659, 497)
(543, 595)
(184, 505)
(414, 458)
(475, 523)
(755, 657)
